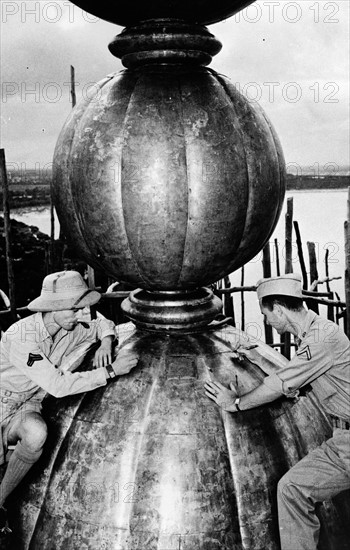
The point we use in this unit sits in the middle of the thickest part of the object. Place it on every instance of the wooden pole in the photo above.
(232, 289)
(228, 301)
(242, 299)
(289, 231)
(313, 262)
(301, 255)
(52, 233)
(74, 101)
(278, 271)
(285, 338)
(7, 231)
(266, 261)
(347, 267)
(330, 310)
(311, 305)
(72, 85)
(91, 284)
(313, 271)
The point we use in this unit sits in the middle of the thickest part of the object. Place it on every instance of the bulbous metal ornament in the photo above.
(168, 178)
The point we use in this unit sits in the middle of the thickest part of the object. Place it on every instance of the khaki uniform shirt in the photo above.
(32, 363)
(322, 359)
(31, 359)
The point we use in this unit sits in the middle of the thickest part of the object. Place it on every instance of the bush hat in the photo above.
(64, 290)
(286, 285)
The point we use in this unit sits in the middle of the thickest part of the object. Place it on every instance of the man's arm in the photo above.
(259, 396)
(29, 359)
(225, 398)
(103, 355)
(312, 359)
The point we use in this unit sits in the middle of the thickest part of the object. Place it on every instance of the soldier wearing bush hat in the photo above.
(38, 355)
(322, 359)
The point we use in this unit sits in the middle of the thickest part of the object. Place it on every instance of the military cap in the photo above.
(285, 285)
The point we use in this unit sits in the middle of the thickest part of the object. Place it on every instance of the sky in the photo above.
(291, 57)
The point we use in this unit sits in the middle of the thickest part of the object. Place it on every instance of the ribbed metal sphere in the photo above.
(149, 462)
(168, 178)
(128, 12)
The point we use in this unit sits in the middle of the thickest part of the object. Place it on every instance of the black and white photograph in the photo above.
(174, 275)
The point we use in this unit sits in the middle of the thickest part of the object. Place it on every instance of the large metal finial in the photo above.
(168, 178)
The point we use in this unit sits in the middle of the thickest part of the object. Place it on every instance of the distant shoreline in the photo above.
(33, 190)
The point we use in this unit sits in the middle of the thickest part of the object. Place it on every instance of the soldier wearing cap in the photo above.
(37, 356)
(322, 359)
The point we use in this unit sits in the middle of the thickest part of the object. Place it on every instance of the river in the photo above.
(321, 216)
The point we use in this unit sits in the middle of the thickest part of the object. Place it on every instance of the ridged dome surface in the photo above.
(149, 462)
(168, 178)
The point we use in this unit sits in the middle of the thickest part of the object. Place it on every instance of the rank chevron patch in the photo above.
(305, 353)
(32, 357)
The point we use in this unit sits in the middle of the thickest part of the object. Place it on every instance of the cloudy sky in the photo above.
(292, 57)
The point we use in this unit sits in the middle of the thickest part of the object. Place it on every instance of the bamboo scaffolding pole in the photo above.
(316, 294)
(326, 302)
(116, 294)
(313, 296)
(7, 231)
(235, 289)
(18, 310)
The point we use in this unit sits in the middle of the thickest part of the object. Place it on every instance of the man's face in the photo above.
(67, 318)
(275, 318)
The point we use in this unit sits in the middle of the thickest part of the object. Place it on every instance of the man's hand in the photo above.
(126, 360)
(222, 396)
(103, 355)
(241, 349)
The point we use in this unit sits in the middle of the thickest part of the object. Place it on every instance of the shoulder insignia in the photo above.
(304, 353)
(32, 357)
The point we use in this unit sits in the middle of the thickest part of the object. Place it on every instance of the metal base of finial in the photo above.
(165, 41)
(173, 311)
